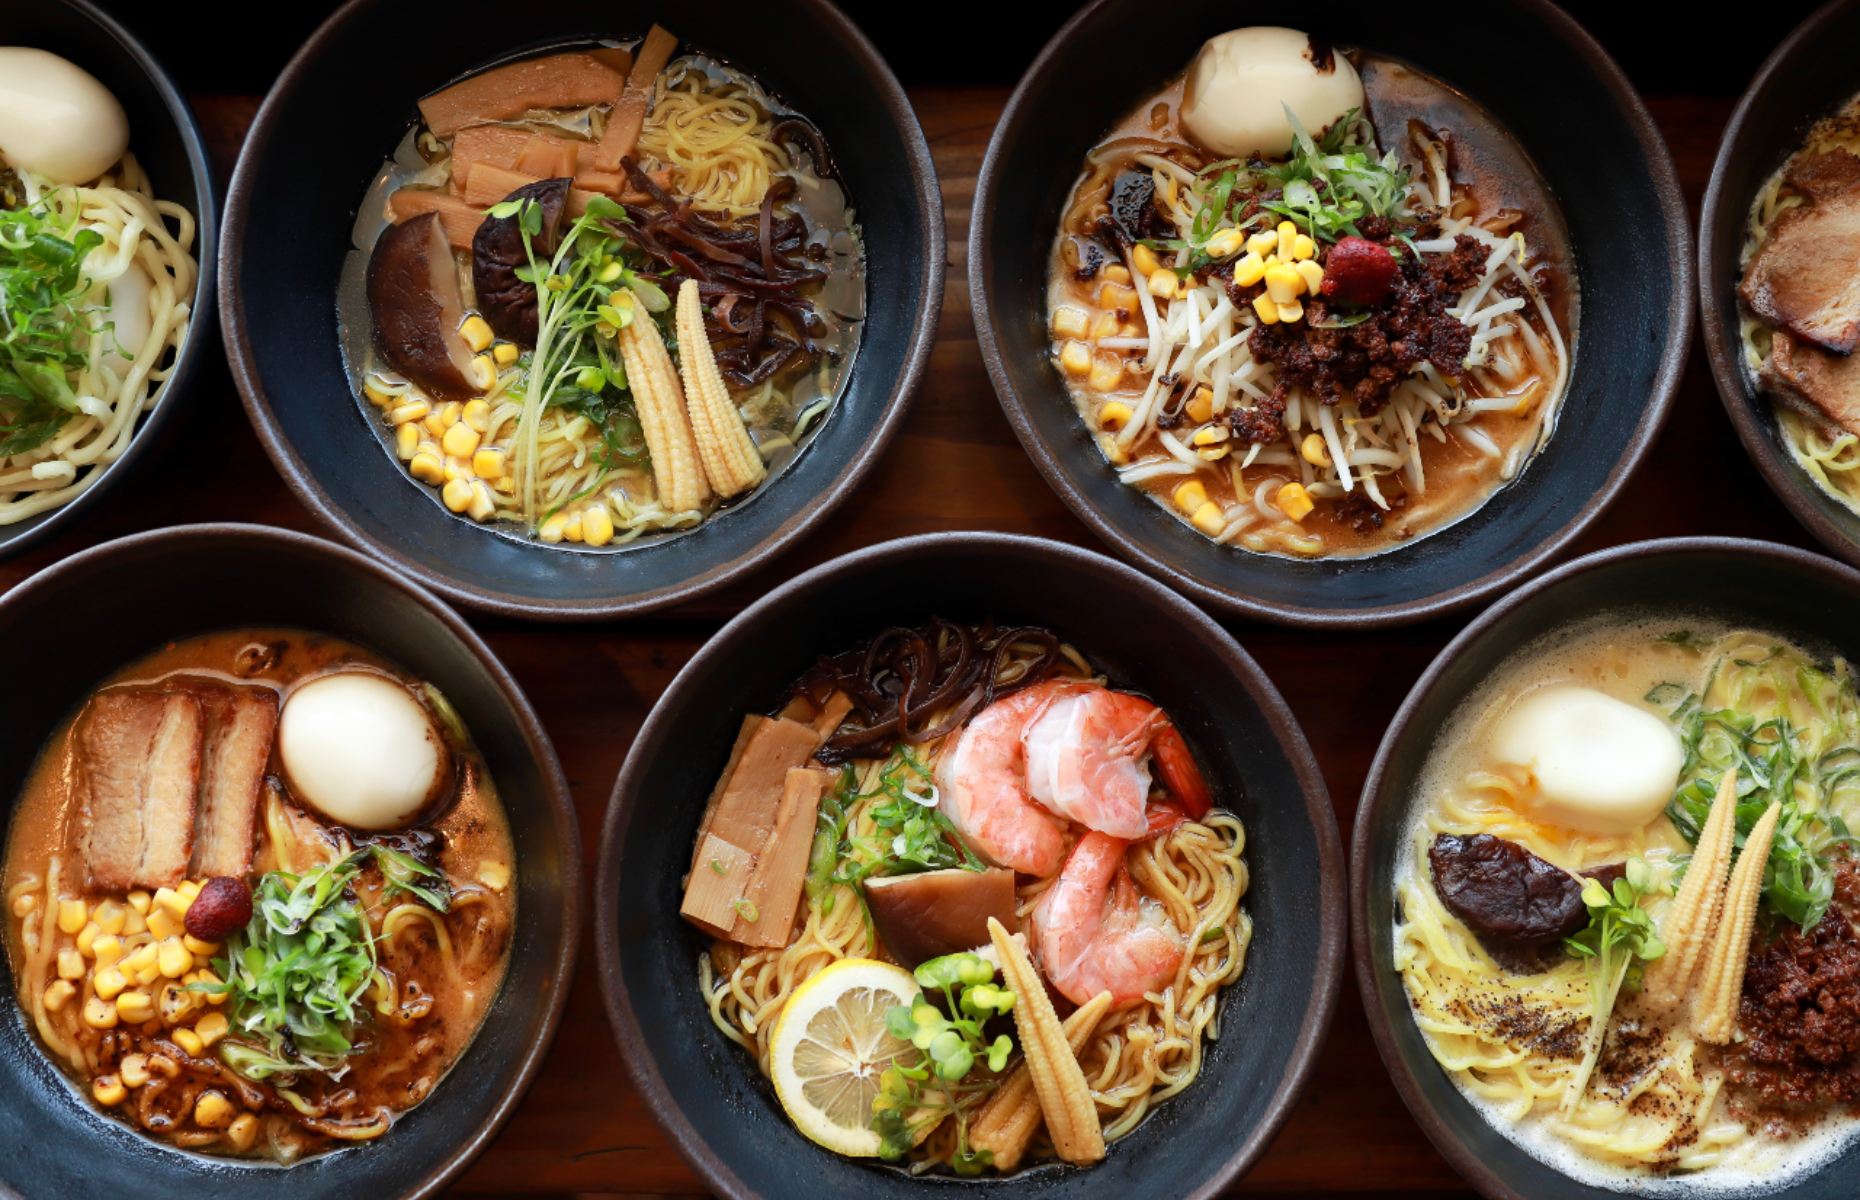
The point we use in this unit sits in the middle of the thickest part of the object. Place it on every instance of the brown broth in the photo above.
(1488, 166)
(402, 1054)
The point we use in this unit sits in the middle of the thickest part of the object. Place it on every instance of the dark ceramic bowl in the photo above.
(167, 142)
(1796, 594)
(1807, 77)
(197, 579)
(318, 142)
(1575, 116)
(707, 1092)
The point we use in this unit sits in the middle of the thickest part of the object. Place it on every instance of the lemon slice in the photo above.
(830, 1046)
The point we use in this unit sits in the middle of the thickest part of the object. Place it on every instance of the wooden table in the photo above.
(956, 465)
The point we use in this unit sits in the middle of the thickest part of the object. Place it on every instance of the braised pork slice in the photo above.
(1810, 378)
(138, 757)
(1806, 276)
(240, 724)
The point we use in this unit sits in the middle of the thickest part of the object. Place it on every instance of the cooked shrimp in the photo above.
(1094, 932)
(982, 780)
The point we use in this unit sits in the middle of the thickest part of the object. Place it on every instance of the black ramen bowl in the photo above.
(706, 1091)
(318, 143)
(197, 579)
(167, 142)
(1801, 596)
(1591, 139)
(1807, 77)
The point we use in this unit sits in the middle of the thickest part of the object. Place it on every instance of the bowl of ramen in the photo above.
(1779, 318)
(927, 869)
(107, 225)
(1604, 886)
(290, 876)
(1297, 318)
(594, 319)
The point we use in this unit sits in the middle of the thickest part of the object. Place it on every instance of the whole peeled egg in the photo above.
(1599, 764)
(358, 748)
(56, 120)
(1241, 83)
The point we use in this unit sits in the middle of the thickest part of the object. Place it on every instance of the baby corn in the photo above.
(1065, 1098)
(730, 459)
(661, 405)
(1715, 1016)
(1693, 918)
(1004, 1125)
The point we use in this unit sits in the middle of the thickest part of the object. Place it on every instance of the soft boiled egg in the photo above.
(360, 749)
(1599, 764)
(1241, 83)
(56, 120)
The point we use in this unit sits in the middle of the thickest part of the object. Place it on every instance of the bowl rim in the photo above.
(555, 782)
(1741, 402)
(1661, 394)
(204, 315)
(1320, 1004)
(242, 359)
(1474, 1169)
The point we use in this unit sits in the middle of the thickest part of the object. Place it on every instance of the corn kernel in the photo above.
(1291, 312)
(1116, 272)
(141, 957)
(25, 904)
(572, 531)
(1107, 372)
(1209, 519)
(164, 924)
(171, 901)
(1288, 235)
(1190, 495)
(1200, 406)
(1209, 435)
(71, 915)
(435, 424)
(476, 414)
(70, 964)
(109, 916)
(553, 528)
(1314, 451)
(482, 506)
(1145, 258)
(413, 410)
(176, 1003)
(211, 1028)
(457, 495)
(199, 948)
(243, 1132)
(494, 875)
(58, 995)
(99, 1013)
(108, 1090)
(1294, 501)
(484, 372)
(1225, 244)
(87, 937)
(1213, 453)
(140, 901)
(1075, 358)
(135, 1007)
(1113, 415)
(1262, 243)
(1113, 453)
(597, 528)
(174, 958)
(476, 331)
(110, 983)
(1163, 283)
(1303, 248)
(1105, 325)
(488, 463)
(189, 1041)
(505, 485)
(1311, 273)
(1249, 269)
(505, 353)
(1070, 321)
(213, 1110)
(1118, 297)
(461, 440)
(207, 976)
(378, 395)
(1283, 284)
(1265, 309)
(427, 468)
(190, 891)
(134, 1070)
(135, 923)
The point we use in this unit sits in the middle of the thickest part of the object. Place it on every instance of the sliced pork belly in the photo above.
(139, 755)
(1806, 276)
(1810, 378)
(240, 725)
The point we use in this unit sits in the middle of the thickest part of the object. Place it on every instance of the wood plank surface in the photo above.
(956, 465)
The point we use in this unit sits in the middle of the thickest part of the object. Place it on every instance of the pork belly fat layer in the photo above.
(241, 723)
